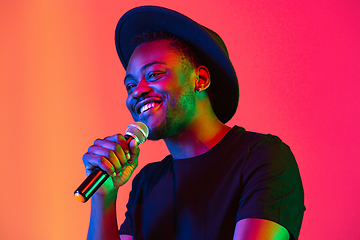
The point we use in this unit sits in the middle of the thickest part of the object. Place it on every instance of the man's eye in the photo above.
(154, 75)
(130, 87)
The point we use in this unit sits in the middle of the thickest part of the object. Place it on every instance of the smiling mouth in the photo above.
(148, 106)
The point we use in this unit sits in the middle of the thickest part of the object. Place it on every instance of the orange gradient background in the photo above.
(298, 66)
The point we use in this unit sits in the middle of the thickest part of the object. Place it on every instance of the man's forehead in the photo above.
(155, 52)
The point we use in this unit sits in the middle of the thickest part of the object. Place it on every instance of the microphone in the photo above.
(138, 131)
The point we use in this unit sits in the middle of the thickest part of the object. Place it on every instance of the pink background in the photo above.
(61, 88)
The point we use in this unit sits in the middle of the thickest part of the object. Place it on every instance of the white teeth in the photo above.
(148, 106)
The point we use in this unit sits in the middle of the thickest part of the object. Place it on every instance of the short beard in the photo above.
(160, 132)
(173, 125)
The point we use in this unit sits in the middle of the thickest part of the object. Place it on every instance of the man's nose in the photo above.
(141, 89)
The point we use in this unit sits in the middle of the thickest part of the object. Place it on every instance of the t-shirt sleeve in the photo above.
(127, 226)
(272, 187)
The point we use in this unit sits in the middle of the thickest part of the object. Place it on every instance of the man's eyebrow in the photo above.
(144, 67)
(150, 64)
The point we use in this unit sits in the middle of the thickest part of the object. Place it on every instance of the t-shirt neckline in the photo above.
(210, 151)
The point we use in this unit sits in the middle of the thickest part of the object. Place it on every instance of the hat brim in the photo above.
(207, 44)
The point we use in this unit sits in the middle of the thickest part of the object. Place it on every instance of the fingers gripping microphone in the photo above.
(97, 177)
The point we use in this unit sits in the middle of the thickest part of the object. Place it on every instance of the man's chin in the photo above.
(157, 130)
(154, 133)
(151, 122)
(157, 124)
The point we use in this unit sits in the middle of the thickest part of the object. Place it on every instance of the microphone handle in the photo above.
(94, 181)
(91, 184)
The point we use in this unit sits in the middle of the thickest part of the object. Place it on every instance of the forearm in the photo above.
(255, 228)
(103, 221)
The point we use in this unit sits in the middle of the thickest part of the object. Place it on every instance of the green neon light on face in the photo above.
(95, 184)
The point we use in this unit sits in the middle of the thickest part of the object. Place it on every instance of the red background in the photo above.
(61, 88)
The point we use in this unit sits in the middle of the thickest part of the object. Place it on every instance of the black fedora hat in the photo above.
(207, 44)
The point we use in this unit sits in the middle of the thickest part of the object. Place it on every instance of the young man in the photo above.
(219, 182)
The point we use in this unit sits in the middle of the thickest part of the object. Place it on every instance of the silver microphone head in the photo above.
(139, 131)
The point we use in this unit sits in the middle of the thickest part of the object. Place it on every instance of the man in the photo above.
(219, 182)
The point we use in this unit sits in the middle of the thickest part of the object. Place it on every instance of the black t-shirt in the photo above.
(245, 175)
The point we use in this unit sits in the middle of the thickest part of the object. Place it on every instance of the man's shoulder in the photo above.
(252, 138)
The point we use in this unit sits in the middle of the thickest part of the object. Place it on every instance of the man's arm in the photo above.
(103, 221)
(126, 237)
(259, 229)
(119, 160)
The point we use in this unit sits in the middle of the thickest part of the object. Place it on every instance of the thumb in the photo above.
(133, 147)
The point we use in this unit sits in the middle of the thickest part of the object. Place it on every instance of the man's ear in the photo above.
(203, 78)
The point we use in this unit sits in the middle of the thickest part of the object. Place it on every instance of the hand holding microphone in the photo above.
(115, 156)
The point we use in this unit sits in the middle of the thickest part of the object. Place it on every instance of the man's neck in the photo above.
(196, 139)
